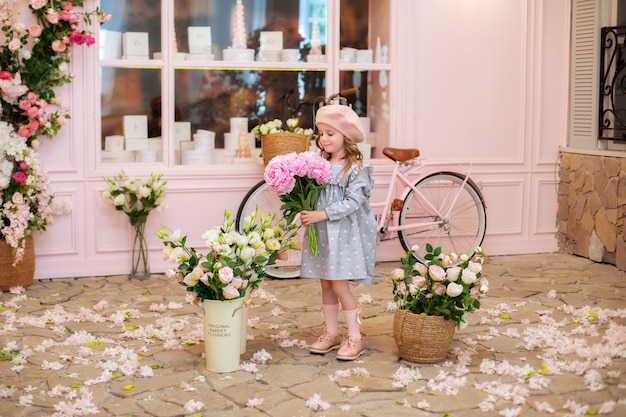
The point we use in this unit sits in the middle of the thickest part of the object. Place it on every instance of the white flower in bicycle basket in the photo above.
(292, 123)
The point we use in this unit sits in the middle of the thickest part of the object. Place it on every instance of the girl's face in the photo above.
(331, 140)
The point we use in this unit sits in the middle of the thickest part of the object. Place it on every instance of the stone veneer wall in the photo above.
(592, 207)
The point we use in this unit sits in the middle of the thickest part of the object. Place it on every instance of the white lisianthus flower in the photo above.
(119, 200)
(247, 253)
(272, 245)
(464, 257)
(211, 237)
(454, 289)
(178, 255)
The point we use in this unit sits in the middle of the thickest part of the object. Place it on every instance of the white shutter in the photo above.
(584, 74)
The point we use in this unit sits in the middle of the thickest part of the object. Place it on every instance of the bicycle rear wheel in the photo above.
(458, 219)
(267, 201)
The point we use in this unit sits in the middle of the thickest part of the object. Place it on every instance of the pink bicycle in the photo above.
(443, 208)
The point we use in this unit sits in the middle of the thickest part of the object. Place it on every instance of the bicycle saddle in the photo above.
(401, 154)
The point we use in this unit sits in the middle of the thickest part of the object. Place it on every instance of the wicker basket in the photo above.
(283, 143)
(20, 275)
(421, 338)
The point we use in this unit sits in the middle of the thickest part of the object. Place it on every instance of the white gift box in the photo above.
(136, 127)
(290, 55)
(110, 44)
(365, 56)
(135, 44)
(238, 54)
(114, 143)
(118, 156)
(204, 140)
(146, 156)
(199, 39)
(155, 144)
(271, 41)
(137, 144)
(236, 122)
(182, 131)
(195, 157)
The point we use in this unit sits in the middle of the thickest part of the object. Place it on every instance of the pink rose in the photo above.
(34, 30)
(23, 165)
(229, 292)
(38, 4)
(5, 75)
(31, 111)
(17, 198)
(77, 37)
(14, 45)
(89, 40)
(58, 46)
(52, 16)
(436, 272)
(23, 131)
(439, 288)
(226, 274)
(419, 282)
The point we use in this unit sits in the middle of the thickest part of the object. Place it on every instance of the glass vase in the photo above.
(140, 268)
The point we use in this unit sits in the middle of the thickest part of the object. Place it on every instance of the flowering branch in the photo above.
(34, 60)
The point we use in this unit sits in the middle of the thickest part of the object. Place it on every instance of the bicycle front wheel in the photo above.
(267, 201)
(446, 212)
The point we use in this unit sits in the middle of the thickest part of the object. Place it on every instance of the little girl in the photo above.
(346, 229)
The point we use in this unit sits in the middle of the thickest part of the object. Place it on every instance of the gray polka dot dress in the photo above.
(347, 240)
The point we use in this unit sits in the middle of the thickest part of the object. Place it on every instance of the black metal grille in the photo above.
(612, 97)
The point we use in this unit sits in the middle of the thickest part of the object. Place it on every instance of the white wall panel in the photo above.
(545, 200)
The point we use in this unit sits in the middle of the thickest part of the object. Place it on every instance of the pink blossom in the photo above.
(439, 289)
(52, 16)
(34, 30)
(14, 45)
(23, 131)
(226, 274)
(229, 292)
(77, 37)
(17, 198)
(58, 46)
(89, 40)
(37, 4)
(31, 111)
(23, 165)
(24, 104)
(437, 273)
(5, 75)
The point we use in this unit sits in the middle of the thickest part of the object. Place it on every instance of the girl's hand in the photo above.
(309, 217)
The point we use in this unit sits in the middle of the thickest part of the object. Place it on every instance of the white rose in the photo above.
(454, 289)
(453, 273)
(397, 274)
(468, 277)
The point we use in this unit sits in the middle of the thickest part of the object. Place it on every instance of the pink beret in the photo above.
(343, 119)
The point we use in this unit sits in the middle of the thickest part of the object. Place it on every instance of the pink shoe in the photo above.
(351, 349)
(325, 343)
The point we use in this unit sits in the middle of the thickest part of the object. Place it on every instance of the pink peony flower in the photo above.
(437, 273)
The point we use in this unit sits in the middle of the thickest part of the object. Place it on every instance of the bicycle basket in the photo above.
(283, 143)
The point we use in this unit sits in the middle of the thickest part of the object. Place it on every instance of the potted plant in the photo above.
(433, 298)
(222, 278)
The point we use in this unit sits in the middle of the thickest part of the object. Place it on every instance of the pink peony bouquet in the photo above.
(298, 178)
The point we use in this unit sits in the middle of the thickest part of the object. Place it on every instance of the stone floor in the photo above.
(550, 339)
